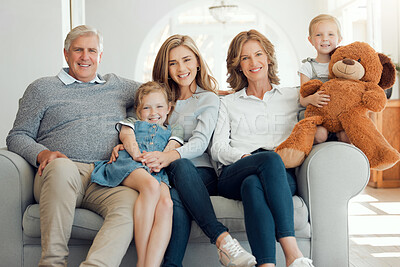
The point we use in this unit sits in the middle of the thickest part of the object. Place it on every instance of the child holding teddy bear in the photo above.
(324, 35)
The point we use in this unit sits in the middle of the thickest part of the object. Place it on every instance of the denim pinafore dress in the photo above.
(150, 137)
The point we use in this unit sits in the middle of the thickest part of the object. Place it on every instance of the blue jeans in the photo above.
(266, 189)
(190, 192)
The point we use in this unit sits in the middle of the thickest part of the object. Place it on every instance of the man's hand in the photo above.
(45, 157)
(114, 153)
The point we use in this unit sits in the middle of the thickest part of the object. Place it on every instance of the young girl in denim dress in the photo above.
(153, 207)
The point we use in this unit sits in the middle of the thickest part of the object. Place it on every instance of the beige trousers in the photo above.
(65, 185)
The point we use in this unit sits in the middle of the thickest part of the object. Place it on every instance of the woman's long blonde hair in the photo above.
(160, 68)
(236, 79)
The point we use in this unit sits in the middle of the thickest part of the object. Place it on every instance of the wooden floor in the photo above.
(374, 228)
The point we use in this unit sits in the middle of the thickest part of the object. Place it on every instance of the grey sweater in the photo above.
(77, 119)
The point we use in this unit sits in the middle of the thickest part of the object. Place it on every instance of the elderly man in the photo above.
(64, 124)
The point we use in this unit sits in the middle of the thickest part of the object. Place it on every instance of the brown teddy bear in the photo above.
(358, 77)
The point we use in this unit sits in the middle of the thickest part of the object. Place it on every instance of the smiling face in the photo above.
(348, 69)
(357, 61)
(254, 61)
(182, 67)
(324, 37)
(154, 108)
(83, 57)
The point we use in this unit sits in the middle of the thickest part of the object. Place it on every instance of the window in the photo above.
(213, 39)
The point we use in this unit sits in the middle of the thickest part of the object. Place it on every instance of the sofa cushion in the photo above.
(85, 226)
(229, 212)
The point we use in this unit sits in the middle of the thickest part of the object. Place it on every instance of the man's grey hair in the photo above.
(80, 31)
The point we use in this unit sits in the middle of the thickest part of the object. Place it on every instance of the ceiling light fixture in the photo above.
(223, 12)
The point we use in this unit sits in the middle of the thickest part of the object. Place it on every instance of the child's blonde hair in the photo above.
(148, 88)
(324, 17)
(204, 79)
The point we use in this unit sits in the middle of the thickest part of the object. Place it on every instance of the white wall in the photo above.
(391, 35)
(30, 47)
(138, 19)
(32, 39)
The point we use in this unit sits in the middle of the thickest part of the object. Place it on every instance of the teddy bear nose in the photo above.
(348, 61)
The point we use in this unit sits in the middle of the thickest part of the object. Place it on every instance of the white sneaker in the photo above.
(302, 262)
(232, 254)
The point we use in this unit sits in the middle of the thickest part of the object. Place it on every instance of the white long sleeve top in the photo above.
(247, 123)
(198, 117)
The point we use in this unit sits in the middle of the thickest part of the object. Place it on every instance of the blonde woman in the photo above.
(180, 66)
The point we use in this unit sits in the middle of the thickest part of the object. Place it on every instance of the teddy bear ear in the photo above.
(389, 72)
(333, 51)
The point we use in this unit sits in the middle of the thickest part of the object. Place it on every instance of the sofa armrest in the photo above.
(16, 193)
(332, 174)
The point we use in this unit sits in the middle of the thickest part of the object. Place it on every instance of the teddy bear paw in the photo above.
(291, 157)
(384, 166)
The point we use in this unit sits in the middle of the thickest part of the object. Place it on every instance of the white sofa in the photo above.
(332, 174)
